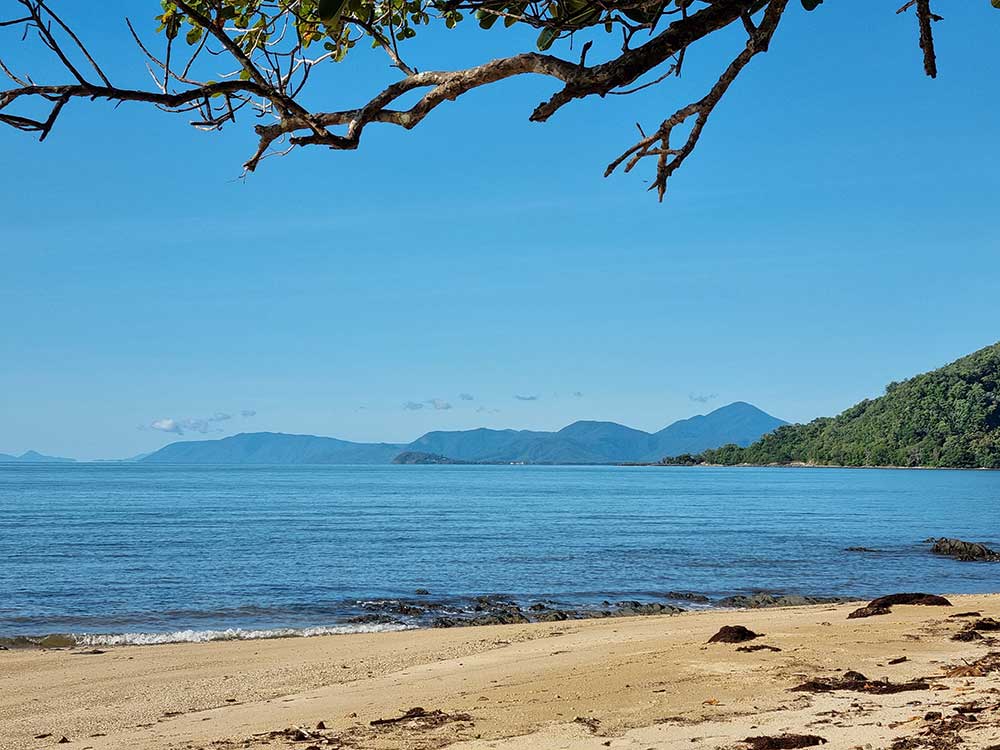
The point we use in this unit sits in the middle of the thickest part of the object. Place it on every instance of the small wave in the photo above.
(195, 636)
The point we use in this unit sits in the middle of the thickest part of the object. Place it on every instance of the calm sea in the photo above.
(171, 552)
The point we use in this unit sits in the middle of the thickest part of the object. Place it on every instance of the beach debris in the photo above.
(868, 611)
(63, 740)
(90, 652)
(43, 736)
(966, 614)
(758, 647)
(734, 634)
(898, 660)
(984, 665)
(963, 551)
(859, 683)
(420, 718)
(591, 723)
(320, 725)
(784, 742)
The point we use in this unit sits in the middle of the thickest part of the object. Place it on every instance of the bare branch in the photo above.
(669, 159)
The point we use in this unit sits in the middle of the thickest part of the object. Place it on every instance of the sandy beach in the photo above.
(638, 682)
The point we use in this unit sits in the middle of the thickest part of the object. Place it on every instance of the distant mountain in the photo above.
(274, 448)
(603, 442)
(582, 442)
(946, 418)
(34, 457)
(739, 423)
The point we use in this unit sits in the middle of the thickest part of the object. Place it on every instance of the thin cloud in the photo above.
(484, 410)
(577, 394)
(466, 397)
(439, 404)
(220, 416)
(247, 413)
(702, 398)
(182, 426)
(526, 398)
(413, 406)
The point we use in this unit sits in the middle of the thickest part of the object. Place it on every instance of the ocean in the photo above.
(129, 553)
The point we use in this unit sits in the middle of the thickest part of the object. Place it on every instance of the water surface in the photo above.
(128, 548)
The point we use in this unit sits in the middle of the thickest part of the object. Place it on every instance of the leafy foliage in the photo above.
(946, 418)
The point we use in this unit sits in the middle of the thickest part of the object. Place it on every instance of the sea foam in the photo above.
(229, 634)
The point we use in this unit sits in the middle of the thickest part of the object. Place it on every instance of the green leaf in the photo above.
(486, 19)
(811, 4)
(546, 38)
(329, 10)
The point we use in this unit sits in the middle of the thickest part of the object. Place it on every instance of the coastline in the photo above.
(650, 682)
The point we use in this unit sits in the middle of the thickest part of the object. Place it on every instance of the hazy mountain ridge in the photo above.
(34, 457)
(946, 418)
(583, 442)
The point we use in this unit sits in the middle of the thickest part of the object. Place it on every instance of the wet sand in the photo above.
(638, 682)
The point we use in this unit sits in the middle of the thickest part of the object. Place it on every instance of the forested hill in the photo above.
(946, 418)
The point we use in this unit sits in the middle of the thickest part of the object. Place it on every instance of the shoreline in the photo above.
(632, 682)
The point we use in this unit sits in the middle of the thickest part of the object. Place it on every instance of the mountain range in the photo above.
(33, 457)
(946, 418)
(584, 442)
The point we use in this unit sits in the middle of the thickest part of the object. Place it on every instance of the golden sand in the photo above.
(639, 682)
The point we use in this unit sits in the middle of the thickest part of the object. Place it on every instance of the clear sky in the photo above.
(836, 229)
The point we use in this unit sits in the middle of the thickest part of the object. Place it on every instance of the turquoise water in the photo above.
(190, 551)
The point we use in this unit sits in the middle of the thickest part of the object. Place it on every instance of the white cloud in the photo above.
(466, 397)
(439, 404)
(526, 398)
(247, 413)
(413, 406)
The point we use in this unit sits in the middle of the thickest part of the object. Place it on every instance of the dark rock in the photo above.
(687, 596)
(445, 622)
(987, 623)
(552, 615)
(421, 592)
(928, 600)
(630, 608)
(964, 551)
(758, 647)
(538, 607)
(860, 549)
(899, 660)
(966, 614)
(967, 635)
(784, 742)
(932, 716)
(764, 600)
(868, 611)
(734, 634)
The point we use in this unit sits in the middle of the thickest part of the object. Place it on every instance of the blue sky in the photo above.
(836, 229)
